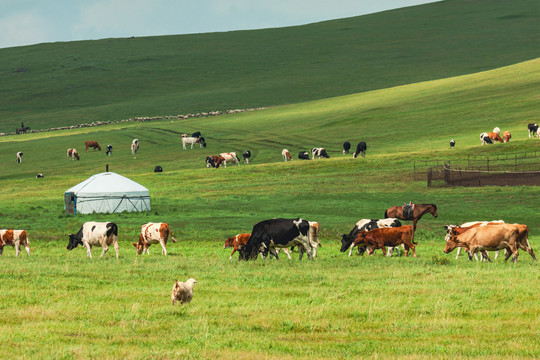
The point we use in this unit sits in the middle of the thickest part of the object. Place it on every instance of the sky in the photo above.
(27, 22)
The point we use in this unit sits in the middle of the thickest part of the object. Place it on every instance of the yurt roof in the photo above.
(108, 183)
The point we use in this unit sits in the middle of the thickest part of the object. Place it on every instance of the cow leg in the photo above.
(17, 248)
(458, 252)
(27, 248)
(485, 256)
(105, 249)
(116, 247)
(273, 252)
(1, 249)
(286, 251)
(232, 252)
(88, 250)
(351, 249)
(527, 248)
(383, 250)
(496, 255)
(163, 249)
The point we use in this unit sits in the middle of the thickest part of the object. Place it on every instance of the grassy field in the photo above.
(50, 85)
(60, 304)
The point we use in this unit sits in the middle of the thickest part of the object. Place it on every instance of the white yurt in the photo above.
(107, 192)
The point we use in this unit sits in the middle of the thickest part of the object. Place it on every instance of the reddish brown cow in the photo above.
(491, 237)
(92, 144)
(507, 136)
(14, 238)
(236, 242)
(382, 237)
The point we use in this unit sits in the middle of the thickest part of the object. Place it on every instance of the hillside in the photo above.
(69, 83)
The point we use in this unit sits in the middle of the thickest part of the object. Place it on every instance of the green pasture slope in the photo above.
(50, 85)
(60, 304)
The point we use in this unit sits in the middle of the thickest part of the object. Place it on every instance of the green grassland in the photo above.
(60, 304)
(57, 84)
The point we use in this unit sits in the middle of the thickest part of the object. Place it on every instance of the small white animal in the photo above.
(183, 291)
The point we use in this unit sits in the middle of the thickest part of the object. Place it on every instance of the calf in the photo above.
(303, 155)
(153, 233)
(246, 155)
(319, 152)
(347, 240)
(108, 150)
(379, 238)
(360, 149)
(489, 237)
(236, 242)
(14, 238)
(533, 129)
(346, 147)
(286, 155)
(72, 154)
(92, 144)
(19, 157)
(95, 233)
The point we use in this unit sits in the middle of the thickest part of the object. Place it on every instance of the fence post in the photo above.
(429, 173)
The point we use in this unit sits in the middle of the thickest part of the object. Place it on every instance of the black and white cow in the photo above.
(361, 148)
(319, 152)
(278, 233)
(485, 139)
(95, 233)
(196, 134)
(347, 240)
(346, 147)
(452, 143)
(303, 155)
(158, 169)
(109, 150)
(246, 155)
(19, 157)
(533, 129)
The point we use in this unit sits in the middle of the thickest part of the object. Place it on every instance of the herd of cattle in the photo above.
(269, 236)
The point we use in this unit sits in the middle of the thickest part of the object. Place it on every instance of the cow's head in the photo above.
(229, 242)
(451, 240)
(210, 162)
(74, 241)
(346, 241)
(139, 245)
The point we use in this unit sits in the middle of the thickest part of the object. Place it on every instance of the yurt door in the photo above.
(70, 200)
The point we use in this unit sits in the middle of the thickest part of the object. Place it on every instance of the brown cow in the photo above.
(72, 154)
(153, 233)
(14, 238)
(460, 229)
(381, 237)
(236, 242)
(92, 144)
(490, 237)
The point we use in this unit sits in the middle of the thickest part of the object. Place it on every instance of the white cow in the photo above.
(95, 233)
(14, 238)
(230, 156)
(190, 140)
(153, 233)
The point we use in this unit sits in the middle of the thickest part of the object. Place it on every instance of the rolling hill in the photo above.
(57, 84)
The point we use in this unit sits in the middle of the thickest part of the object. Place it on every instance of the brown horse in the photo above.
(92, 144)
(418, 212)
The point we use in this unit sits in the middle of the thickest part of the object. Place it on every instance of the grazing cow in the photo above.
(214, 161)
(95, 233)
(496, 130)
(452, 143)
(360, 149)
(228, 157)
(136, 143)
(183, 291)
(202, 142)
(347, 240)
(153, 233)
(490, 237)
(92, 144)
(19, 157)
(108, 150)
(72, 154)
(40, 175)
(507, 136)
(191, 141)
(246, 155)
(158, 169)
(278, 233)
(134, 149)
(533, 130)
(303, 155)
(460, 229)
(381, 237)
(490, 138)
(14, 238)
(319, 152)
(346, 147)
(286, 155)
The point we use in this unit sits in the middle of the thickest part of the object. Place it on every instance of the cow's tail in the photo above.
(412, 237)
(170, 233)
(386, 214)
